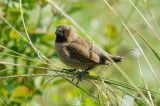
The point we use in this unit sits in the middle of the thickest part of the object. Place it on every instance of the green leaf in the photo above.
(111, 31)
(19, 91)
(14, 35)
(4, 93)
(2, 67)
(154, 52)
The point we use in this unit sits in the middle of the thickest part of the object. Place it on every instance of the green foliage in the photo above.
(14, 35)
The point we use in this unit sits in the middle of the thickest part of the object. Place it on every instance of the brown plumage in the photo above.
(79, 53)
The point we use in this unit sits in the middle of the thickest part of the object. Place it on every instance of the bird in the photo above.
(79, 53)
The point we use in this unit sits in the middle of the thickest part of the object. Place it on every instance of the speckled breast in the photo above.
(66, 58)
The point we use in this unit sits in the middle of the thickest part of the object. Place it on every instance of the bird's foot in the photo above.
(81, 74)
(70, 70)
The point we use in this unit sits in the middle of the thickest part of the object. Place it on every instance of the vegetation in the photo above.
(30, 70)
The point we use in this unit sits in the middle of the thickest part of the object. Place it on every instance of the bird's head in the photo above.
(62, 32)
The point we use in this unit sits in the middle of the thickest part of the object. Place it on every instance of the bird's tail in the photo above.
(117, 58)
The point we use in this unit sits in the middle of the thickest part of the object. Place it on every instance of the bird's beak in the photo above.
(59, 31)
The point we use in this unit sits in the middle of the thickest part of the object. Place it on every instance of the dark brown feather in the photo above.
(83, 53)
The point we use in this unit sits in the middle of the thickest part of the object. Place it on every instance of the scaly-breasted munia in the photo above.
(79, 53)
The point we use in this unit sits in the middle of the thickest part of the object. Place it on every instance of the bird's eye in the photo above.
(66, 30)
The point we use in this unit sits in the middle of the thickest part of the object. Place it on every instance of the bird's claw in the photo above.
(70, 70)
(80, 75)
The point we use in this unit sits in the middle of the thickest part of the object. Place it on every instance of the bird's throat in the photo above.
(60, 39)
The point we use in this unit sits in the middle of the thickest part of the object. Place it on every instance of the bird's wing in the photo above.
(82, 50)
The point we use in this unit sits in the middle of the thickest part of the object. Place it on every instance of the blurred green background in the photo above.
(99, 23)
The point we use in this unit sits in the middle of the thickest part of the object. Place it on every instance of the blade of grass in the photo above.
(128, 86)
(121, 71)
(35, 49)
(25, 58)
(31, 59)
(117, 96)
(35, 75)
(132, 83)
(129, 15)
(100, 97)
(100, 90)
(125, 85)
(44, 88)
(107, 94)
(142, 101)
(83, 89)
(149, 94)
(17, 31)
(138, 45)
(110, 82)
(117, 83)
(114, 93)
(8, 69)
(39, 53)
(155, 53)
(3, 102)
(144, 19)
(153, 18)
(51, 64)
(152, 70)
(14, 52)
